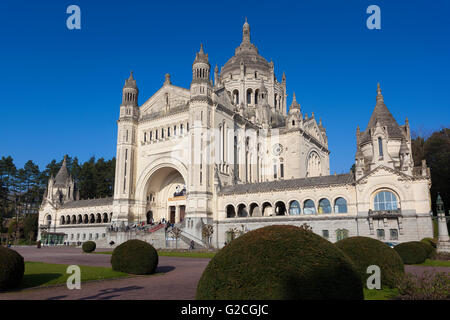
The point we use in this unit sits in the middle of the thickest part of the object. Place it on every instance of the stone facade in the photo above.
(230, 153)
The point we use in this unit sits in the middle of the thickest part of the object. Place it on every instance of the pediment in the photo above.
(176, 97)
(382, 171)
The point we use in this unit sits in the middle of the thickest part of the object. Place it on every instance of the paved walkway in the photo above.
(179, 280)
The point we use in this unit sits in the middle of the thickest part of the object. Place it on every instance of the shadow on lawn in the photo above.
(164, 269)
(35, 280)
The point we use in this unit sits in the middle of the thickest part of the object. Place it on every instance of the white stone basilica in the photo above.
(230, 156)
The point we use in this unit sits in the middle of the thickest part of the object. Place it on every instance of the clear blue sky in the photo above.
(61, 89)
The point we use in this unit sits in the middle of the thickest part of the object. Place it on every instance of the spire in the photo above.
(294, 104)
(379, 95)
(130, 82)
(246, 32)
(384, 118)
(201, 56)
(63, 175)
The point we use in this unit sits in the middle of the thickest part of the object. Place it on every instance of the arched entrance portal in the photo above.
(165, 196)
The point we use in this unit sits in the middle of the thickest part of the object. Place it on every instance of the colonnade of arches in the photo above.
(252, 97)
(293, 207)
(165, 132)
(85, 219)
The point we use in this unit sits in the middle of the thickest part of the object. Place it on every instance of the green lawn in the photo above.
(435, 263)
(176, 254)
(45, 274)
(383, 294)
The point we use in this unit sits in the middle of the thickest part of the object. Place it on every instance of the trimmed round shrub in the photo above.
(88, 246)
(411, 252)
(12, 268)
(135, 257)
(428, 248)
(280, 262)
(364, 252)
(432, 242)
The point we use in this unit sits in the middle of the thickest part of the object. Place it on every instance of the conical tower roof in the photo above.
(383, 116)
(62, 176)
(130, 82)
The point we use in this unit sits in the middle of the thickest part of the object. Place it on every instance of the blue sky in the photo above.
(61, 89)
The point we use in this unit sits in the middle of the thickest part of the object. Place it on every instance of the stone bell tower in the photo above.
(124, 184)
(201, 167)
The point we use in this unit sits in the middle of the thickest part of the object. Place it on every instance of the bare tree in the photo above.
(207, 232)
(176, 232)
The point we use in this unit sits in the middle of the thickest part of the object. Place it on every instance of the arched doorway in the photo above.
(149, 217)
(165, 196)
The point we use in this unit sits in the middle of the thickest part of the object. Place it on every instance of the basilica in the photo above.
(230, 154)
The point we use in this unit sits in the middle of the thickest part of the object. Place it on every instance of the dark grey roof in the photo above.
(382, 115)
(278, 185)
(88, 203)
(62, 176)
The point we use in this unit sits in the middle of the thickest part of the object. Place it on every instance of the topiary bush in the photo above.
(364, 252)
(12, 268)
(428, 248)
(135, 257)
(88, 246)
(432, 242)
(279, 263)
(411, 252)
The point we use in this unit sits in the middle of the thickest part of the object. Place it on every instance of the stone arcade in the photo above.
(230, 154)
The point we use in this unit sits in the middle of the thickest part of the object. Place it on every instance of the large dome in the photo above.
(248, 54)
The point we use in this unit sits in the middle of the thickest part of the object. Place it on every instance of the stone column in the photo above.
(177, 214)
(442, 227)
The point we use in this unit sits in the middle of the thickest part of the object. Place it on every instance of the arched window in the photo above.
(74, 219)
(309, 207)
(254, 210)
(340, 205)
(385, 200)
(62, 220)
(242, 211)
(249, 96)
(68, 219)
(280, 208)
(324, 206)
(231, 213)
(267, 209)
(380, 146)
(105, 217)
(294, 208)
(98, 218)
(314, 167)
(80, 219)
(49, 220)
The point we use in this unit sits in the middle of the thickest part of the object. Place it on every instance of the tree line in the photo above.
(22, 189)
(435, 149)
